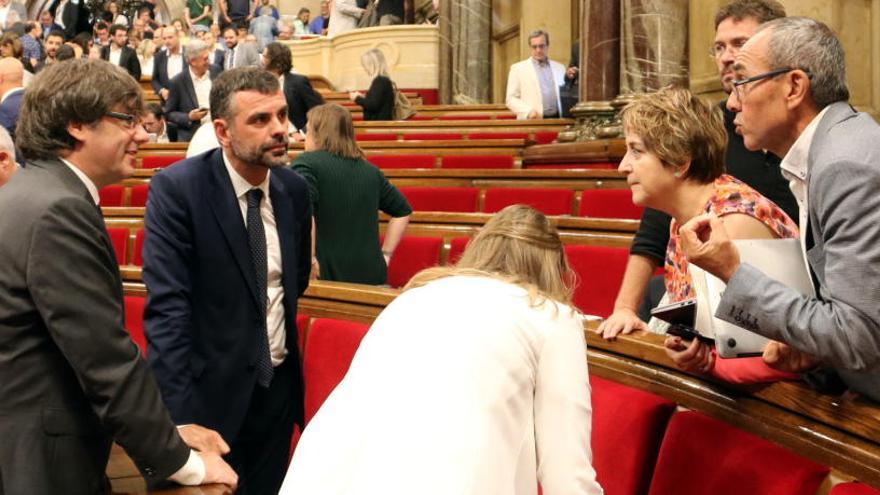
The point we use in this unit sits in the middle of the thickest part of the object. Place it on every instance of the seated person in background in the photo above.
(194, 81)
(266, 8)
(68, 51)
(675, 163)
(155, 125)
(319, 23)
(301, 23)
(378, 103)
(533, 84)
(298, 91)
(285, 31)
(347, 193)
(512, 411)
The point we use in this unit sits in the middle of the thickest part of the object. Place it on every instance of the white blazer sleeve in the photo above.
(563, 413)
(514, 99)
(349, 8)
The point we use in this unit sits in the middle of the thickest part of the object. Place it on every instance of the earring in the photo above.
(677, 175)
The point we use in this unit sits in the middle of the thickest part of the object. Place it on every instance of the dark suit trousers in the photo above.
(261, 452)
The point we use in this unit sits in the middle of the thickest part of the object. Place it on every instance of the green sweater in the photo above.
(347, 195)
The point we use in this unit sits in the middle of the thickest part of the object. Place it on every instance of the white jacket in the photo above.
(344, 16)
(524, 92)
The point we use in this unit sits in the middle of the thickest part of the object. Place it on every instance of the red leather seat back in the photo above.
(549, 201)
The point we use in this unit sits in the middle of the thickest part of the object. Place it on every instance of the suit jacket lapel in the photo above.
(227, 212)
(191, 90)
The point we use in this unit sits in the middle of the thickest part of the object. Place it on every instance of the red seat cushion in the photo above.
(302, 325)
(456, 249)
(329, 350)
(111, 195)
(134, 321)
(599, 272)
(546, 137)
(160, 161)
(465, 117)
(431, 136)
(589, 166)
(376, 136)
(455, 199)
(403, 161)
(136, 258)
(550, 201)
(477, 161)
(854, 488)
(498, 135)
(413, 255)
(609, 203)
(119, 240)
(702, 455)
(139, 195)
(628, 426)
(505, 116)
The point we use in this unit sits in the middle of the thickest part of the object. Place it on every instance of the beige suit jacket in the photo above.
(524, 92)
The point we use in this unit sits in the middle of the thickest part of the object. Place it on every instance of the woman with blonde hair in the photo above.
(378, 103)
(145, 50)
(347, 193)
(472, 381)
(675, 164)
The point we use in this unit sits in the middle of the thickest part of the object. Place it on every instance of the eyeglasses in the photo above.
(128, 121)
(738, 85)
(718, 49)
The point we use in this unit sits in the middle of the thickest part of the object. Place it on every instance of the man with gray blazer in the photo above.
(73, 381)
(790, 96)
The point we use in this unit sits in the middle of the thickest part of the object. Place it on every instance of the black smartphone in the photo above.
(681, 317)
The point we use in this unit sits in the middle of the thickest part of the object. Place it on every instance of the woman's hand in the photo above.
(353, 95)
(622, 321)
(694, 356)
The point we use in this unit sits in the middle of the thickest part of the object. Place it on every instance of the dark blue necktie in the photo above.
(257, 241)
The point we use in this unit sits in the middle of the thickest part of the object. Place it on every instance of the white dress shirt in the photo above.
(115, 54)
(174, 65)
(193, 471)
(202, 86)
(274, 289)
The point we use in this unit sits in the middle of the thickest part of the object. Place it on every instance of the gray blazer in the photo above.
(842, 325)
(72, 379)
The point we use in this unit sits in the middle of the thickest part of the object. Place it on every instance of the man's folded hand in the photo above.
(203, 439)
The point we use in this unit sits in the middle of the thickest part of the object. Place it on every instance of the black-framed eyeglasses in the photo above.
(128, 121)
(738, 84)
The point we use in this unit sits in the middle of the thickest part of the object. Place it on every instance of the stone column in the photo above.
(599, 80)
(465, 40)
(655, 45)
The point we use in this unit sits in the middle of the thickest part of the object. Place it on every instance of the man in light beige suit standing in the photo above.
(533, 84)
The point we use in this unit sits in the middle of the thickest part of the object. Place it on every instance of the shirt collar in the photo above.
(795, 161)
(92, 188)
(538, 63)
(6, 94)
(240, 185)
(196, 78)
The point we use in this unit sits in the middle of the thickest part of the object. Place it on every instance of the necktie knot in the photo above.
(254, 196)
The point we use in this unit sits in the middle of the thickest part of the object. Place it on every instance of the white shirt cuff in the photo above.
(192, 473)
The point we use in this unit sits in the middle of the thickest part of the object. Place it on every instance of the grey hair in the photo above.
(195, 48)
(539, 32)
(374, 63)
(812, 46)
(6, 142)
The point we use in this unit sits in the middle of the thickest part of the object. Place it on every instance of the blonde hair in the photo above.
(517, 245)
(331, 128)
(374, 63)
(146, 49)
(679, 128)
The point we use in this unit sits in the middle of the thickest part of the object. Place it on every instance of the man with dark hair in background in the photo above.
(117, 52)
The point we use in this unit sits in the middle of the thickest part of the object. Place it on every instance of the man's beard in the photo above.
(260, 155)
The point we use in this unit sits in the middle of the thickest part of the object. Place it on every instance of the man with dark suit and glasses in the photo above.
(790, 98)
(227, 252)
(73, 381)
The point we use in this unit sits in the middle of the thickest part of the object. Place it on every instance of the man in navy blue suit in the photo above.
(226, 254)
(11, 91)
(188, 104)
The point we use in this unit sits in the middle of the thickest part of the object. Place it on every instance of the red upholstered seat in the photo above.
(136, 258)
(111, 195)
(160, 161)
(413, 255)
(376, 136)
(854, 488)
(498, 135)
(702, 455)
(119, 240)
(505, 116)
(134, 321)
(431, 136)
(455, 199)
(329, 350)
(477, 161)
(563, 166)
(421, 117)
(403, 161)
(139, 195)
(549, 201)
(464, 117)
(456, 249)
(609, 203)
(599, 272)
(302, 325)
(628, 426)
(545, 137)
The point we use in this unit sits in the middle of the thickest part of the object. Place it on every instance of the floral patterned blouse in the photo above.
(731, 196)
